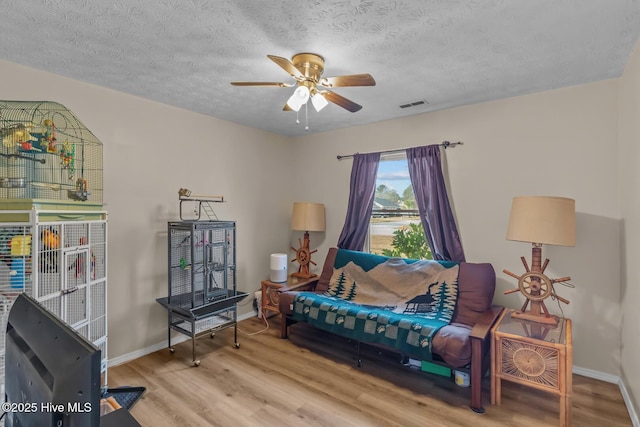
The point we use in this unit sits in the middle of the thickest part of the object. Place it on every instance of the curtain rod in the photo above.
(444, 144)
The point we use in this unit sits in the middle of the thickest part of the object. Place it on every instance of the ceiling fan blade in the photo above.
(278, 84)
(350, 80)
(286, 108)
(286, 65)
(341, 101)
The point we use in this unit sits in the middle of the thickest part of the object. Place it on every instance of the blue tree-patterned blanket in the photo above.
(397, 302)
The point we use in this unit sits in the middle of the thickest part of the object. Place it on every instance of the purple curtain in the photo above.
(440, 229)
(361, 194)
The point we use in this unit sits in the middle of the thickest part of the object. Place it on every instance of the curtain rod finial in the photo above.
(447, 144)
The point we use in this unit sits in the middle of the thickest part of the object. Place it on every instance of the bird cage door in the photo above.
(74, 294)
(67, 265)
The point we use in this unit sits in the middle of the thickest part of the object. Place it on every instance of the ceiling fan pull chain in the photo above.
(297, 119)
(306, 116)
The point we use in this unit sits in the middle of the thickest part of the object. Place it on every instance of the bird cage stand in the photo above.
(202, 290)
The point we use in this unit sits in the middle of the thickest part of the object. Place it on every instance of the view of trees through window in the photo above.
(395, 228)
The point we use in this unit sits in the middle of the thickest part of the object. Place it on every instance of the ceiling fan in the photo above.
(307, 69)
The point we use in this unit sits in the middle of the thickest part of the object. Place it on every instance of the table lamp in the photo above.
(540, 220)
(306, 217)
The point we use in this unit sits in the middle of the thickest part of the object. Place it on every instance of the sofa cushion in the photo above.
(327, 271)
(453, 345)
(476, 286)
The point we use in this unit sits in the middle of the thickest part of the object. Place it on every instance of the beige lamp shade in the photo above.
(543, 219)
(308, 217)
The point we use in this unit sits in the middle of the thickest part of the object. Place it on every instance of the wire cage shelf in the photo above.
(47, 153)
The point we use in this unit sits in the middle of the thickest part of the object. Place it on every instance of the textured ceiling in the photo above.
(448, 53)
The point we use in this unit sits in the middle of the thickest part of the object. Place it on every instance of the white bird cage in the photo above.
(53, 232)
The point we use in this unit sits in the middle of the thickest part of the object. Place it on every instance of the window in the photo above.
(395, 228)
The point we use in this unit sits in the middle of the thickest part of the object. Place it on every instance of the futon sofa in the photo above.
(435, 311)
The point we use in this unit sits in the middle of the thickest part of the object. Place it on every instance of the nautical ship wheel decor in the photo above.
(540, 220)
(536, 287)
(303, 258)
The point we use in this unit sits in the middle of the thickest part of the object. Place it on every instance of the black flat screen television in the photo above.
(52, 373)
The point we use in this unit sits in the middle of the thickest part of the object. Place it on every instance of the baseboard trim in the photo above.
(614, 379)
(596, 375)
(159, 346)
(633, 414)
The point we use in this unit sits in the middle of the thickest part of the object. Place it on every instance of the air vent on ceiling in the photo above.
(414, 104)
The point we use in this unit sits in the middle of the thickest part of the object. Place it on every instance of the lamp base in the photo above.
(303, 256)
(535, 286)
(552, 320)
(302, 275)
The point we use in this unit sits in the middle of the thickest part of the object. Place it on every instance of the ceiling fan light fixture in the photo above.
(307, 68)
(299, 98)
(319, 101)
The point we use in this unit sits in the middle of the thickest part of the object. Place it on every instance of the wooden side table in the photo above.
(535, 355)
(271, 292)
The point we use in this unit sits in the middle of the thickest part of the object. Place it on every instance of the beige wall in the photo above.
(562, 143)
(150, 151)
(629, 89)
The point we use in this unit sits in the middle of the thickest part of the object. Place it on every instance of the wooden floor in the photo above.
(312, 380)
